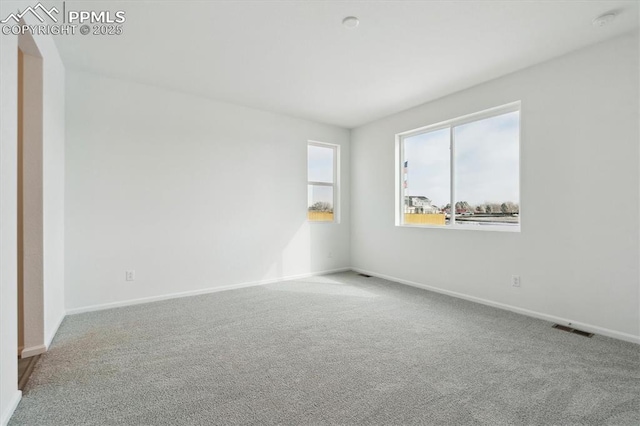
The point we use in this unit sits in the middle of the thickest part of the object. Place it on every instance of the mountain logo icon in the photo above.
(33, 10)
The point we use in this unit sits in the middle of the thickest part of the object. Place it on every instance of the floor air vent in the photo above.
(365, 275)
(572, 330)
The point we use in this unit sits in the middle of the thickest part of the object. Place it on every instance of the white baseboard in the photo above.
(551, 318)
(8, 412)
(33, 351)
(53, 332)
(563, 321)
(101, 307)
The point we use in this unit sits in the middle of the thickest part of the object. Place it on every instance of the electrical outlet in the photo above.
(130, 275)
(515, 281)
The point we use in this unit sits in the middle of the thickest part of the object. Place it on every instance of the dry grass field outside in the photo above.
(424, 219)
(316, 216)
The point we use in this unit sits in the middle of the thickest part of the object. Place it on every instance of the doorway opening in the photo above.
(31, 340)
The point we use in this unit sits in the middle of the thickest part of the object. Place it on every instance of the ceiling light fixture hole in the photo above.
(350, 22)
(604, 19)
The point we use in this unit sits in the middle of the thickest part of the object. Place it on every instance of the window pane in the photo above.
(320, 164)
(487, 170)
(320, 203)
(426, 178)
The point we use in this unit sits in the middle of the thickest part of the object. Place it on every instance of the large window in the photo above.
(462, 173)
(322, 177)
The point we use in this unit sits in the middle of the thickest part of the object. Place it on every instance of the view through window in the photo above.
(471, 163)
(321, 176)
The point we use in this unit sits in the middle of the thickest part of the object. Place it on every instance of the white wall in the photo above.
(53, 203)
(579, 154)
(53, 186)
(9, 394)
(190, 193)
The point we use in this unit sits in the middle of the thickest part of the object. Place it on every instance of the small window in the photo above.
(463, 173)
(322, 177)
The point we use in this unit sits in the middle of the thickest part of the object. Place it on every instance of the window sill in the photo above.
(494, 228)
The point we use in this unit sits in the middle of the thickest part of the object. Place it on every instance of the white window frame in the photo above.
(451, 124)
(336, 181)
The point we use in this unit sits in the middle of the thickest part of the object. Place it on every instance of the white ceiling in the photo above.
(295, 57)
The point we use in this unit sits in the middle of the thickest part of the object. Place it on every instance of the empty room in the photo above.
(320, 212)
